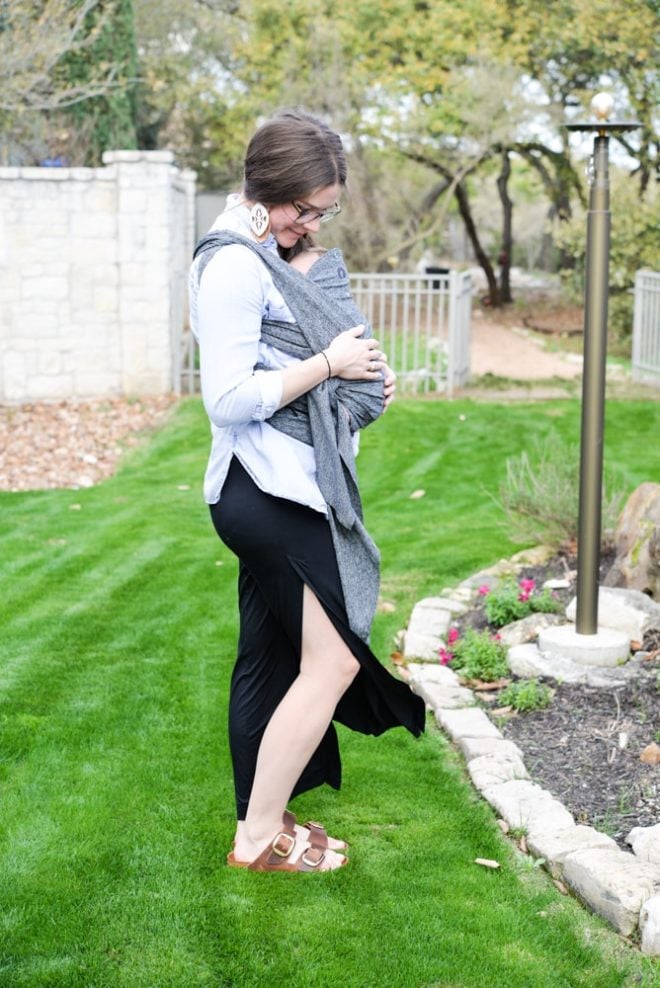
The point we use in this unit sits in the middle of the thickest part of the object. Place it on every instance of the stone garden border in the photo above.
(622, 887)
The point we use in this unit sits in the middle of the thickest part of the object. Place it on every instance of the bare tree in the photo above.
(35, 38)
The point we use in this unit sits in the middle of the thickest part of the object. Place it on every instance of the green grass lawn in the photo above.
(118, 620)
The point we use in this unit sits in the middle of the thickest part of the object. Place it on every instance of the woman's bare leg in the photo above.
(295, 730)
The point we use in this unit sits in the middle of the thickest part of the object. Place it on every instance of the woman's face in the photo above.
(290, 222)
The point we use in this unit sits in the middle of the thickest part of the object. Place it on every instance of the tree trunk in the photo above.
(480, 254)
(507, 229)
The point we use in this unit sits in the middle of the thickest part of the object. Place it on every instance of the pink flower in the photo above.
(524, 597)
(483, 590)
(452, 636)
(445, 656)
(527, 586)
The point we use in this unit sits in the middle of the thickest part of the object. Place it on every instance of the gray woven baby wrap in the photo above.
(326, 416)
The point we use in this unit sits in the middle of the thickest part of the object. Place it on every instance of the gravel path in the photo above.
(519, 354)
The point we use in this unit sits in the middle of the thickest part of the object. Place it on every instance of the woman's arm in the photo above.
(230, 306)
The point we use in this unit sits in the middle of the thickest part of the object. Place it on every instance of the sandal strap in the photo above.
(276, 854)
(318, 835)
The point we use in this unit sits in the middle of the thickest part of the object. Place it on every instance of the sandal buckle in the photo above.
(312, 863)
(283, 852)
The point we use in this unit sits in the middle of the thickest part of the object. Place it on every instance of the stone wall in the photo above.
(93, 267)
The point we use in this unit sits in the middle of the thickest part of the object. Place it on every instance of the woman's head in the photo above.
(290, 156)
(295, 165)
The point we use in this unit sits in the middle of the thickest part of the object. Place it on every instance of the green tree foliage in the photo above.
(633, 246)
(108, 120)
(191, 95)
(40, 43)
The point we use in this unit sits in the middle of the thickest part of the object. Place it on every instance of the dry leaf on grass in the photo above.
(487, 863)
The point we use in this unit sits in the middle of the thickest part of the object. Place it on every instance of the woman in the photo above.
(289, 374)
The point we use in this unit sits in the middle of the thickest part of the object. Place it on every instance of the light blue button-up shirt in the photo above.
(227, 305)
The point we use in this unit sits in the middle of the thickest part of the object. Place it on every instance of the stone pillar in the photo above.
(144, 251)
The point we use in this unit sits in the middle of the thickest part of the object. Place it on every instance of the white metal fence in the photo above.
(421, 321)
(646, 328)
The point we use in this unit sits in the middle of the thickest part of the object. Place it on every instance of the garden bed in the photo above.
(585, 746)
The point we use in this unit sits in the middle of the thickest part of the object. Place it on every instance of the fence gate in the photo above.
(422, 322)
(646, 328)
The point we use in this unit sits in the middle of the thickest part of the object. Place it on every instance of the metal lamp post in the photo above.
(595, 352)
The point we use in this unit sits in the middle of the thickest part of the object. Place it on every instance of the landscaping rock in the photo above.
(467, 723)
(649, 926)
(447, 697)
(497, 747)
(629, 611)
(554, 848)
(614, 884)
(527, 629)
(490, 770)
(527, 661)
(637, 540)
(428, 626)
(525, 805)
(424, 672)
(645, 842)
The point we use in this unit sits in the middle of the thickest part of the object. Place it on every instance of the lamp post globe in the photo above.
(602, 106)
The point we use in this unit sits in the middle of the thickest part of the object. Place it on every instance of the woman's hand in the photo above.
(355, 359)
(389, 386)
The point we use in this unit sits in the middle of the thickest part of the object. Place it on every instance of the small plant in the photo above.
(476, 655)
(525, 695)
(540, 495)
(514, 601)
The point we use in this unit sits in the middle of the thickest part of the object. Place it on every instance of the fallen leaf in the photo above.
(560, 886)
(386, 607)
(417, 494)
(480, 684)
(635, 646)
(504, 826)
(485, 697)
(522, 844)
(487, 863)
(397, 658)
(503, 711)
(651, 754)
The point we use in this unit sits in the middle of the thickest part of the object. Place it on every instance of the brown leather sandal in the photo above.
(318, 835)
(275, 856)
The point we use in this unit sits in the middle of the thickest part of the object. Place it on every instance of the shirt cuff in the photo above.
(270, 394)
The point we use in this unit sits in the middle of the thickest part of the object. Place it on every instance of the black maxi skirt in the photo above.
(281, 546)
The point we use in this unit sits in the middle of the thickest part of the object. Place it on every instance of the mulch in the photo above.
(585, 747)
(72, 444)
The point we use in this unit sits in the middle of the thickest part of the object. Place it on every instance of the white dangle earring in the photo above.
(260, 221)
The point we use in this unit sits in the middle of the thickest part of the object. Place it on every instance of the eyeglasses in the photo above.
(307, 214)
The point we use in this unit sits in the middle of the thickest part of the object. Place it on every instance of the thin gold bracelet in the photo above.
(324, 354)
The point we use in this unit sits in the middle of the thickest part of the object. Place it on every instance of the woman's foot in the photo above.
(303, 832)
(288, 850)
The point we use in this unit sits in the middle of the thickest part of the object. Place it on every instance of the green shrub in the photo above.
(633, 247)
(477, 655)
(540, 495)
(526, 694)
(514, 601)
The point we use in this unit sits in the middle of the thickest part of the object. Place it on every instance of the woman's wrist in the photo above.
(327, 360)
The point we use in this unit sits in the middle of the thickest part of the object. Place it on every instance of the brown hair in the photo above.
(289, 157)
